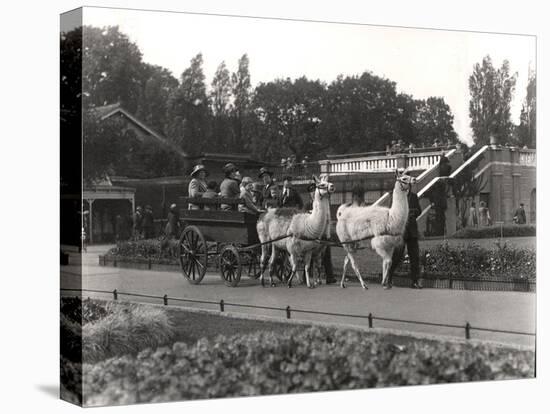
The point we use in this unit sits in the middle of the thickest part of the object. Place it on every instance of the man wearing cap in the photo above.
(248, 205)
(197, 186)
(290, 197)
(267, 182)
(229, 188)
(148, 223)
(519, 215)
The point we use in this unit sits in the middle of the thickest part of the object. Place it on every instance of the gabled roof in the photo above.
(107, 111)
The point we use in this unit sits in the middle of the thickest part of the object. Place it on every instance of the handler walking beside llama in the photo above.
(410, 238)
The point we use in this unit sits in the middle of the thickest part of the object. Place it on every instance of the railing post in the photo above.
(165, 297)
(370, 320)
(288, 312)
(467, 328)
(222, 305)
(115, 294)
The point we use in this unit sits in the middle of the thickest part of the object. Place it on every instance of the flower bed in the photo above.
(292, 361)
(474, 262)
(512, 230)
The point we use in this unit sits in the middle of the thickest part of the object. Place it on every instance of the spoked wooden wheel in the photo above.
(193, 254)
(281, 267)
(230, 266)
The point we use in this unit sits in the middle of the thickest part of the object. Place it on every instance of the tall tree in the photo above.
(434, 121)
(153, 102)
(491, 92)
(220, 96)
(189, 110)
(241, 104)
(527, 129)
(111, 68)
(288, 118)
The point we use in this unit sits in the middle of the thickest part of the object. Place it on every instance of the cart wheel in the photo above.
(193, 254)
(230, 266)
(282, 268)
(254, 266)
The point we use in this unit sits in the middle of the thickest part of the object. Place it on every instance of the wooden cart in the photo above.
(227, 240)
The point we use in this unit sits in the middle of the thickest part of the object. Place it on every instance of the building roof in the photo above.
(107, 111)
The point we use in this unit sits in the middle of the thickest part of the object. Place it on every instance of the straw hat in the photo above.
(197, 168)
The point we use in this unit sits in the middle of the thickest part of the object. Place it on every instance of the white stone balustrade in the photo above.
(419, 161)
(528, 157)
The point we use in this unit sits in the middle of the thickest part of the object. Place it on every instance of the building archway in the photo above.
(533, 206)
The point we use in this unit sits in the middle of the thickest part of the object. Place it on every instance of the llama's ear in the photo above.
(396, 173)
(314, 177)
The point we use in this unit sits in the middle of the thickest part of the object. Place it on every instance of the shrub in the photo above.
(127, 329)
(512, 230)
(110, 329)
(473, 261)
(296, 360)
(149, 248)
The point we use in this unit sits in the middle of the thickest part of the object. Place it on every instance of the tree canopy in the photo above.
(491, 92)
(279, 118)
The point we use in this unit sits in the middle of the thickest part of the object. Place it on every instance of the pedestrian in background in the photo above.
(519, 215)
(173, 227)
(137, 223)
(484, 216)
(148, 223)
(472, 216)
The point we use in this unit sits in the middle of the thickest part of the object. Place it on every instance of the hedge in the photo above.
(513, 230)
(296, 360)
(473, 261)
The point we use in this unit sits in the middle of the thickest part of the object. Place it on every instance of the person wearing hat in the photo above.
(248, 206)
(148, 223)
(210, 194)
(519, 215)
(229, 188)
(137, 223)
(274, 200)
(172, 229)
(267, 182)
(410, 239)
(197, 186)
(290, 197)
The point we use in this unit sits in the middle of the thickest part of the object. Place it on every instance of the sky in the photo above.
(422, 62)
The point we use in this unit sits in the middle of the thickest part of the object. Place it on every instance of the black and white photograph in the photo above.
(255, 206)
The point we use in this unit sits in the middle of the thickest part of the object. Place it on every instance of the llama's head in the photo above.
(403, 180)
(323, 188)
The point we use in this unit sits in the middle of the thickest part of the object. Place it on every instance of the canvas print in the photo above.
(255, 206)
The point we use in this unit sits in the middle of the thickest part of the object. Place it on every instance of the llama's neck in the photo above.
(316, 223)
(399, 211)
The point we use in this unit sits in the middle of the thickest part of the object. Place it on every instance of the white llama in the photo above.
(304, 229)
(385, 226)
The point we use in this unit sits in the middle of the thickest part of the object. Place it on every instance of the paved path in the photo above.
(514, 311)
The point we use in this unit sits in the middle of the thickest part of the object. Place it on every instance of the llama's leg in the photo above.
(294, 263)
(271, 264)
(263, 263)
(346, 261)
(307, 268)
(342, 282)
(356, 270)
